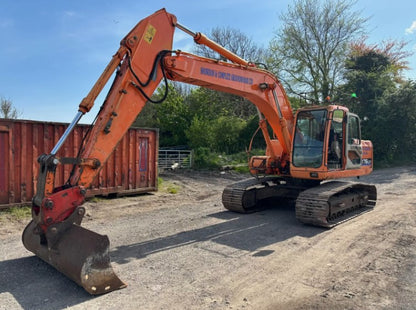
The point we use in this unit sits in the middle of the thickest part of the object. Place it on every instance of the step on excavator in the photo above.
(303, 154)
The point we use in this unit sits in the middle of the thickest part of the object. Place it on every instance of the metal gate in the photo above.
(170, 159)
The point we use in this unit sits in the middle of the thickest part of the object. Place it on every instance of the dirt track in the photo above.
(184, 251)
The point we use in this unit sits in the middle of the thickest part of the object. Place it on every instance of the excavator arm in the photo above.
(144, 59)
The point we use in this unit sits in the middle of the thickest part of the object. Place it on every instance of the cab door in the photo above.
(353, 147)
(335, 140)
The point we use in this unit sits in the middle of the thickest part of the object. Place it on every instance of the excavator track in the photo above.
(325, 205)
(334, 202)
(240, 197)
(247, 196)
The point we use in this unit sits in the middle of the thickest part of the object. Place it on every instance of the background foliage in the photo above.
(319, 51)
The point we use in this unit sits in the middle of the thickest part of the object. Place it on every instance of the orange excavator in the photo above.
(304, 153)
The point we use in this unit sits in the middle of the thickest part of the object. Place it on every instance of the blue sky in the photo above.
(52, 52)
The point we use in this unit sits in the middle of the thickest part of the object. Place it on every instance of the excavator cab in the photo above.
(327, 144)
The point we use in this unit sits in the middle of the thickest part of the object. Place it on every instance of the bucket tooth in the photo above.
(82, 255)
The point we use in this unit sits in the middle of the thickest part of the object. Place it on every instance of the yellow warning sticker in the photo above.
(150, 34)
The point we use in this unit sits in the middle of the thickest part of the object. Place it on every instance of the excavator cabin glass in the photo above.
(309, 138)
(335, 142)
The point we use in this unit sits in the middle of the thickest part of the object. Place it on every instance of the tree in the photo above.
(373, 75)
(394, 135)
(7, 110)
(200, 133)
(173, 117)
(371, 70)
(213, 104)
(308, 53)
(170, 116)
(390, 56)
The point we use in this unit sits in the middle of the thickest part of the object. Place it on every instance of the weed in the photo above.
(16, 213)
(167, 186)
(172, 189)
(95, 199)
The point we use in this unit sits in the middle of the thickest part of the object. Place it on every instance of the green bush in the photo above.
(199, 133)
(222, 135)
(226, 133)
(204, 158)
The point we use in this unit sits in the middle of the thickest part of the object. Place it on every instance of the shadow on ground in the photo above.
(34, 284)
(247, 232)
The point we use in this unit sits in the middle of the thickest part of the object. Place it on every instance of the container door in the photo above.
(4, 166)
(143, 162)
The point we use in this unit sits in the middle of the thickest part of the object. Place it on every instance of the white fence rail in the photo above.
(174, 159)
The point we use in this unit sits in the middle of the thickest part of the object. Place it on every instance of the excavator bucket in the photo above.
(80, 254)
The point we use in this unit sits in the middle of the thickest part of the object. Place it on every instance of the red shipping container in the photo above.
(131, 168)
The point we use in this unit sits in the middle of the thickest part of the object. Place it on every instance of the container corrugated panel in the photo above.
(132, 167)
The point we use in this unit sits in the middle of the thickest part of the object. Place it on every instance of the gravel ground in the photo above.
(184, 251)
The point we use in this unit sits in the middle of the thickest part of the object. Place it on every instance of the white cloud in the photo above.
(70, 13)
(412, 28)
(6, 23)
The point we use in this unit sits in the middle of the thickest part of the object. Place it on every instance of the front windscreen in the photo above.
(309, 139)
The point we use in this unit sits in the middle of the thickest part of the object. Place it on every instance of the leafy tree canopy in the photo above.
(308, 52)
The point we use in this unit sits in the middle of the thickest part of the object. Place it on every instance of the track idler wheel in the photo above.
(82, 255)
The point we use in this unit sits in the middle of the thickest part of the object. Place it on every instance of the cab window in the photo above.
(335, 141)
(309, 139)
(353, 130)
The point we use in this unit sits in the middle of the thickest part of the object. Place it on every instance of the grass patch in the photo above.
(16, 213)
(95, 199)
(241, 169)
(166, 186)
(172, 189)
